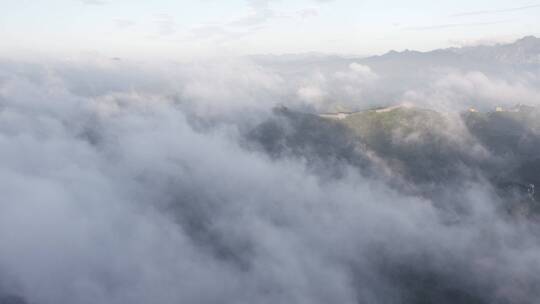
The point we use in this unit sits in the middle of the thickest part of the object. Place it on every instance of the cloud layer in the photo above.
(149, 184)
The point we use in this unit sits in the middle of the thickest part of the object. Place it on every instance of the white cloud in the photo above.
(357, 73)
(313, 95)
(94, 2)
(458, 91)
(124, 23)
(308, 12)
(166, 24)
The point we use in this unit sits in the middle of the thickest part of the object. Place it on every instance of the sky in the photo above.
(186, 28)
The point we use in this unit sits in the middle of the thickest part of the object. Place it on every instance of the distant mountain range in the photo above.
(525, 51)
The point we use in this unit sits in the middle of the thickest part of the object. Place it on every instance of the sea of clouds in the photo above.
(126, 182)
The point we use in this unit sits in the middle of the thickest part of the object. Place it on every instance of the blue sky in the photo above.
(175, 29)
